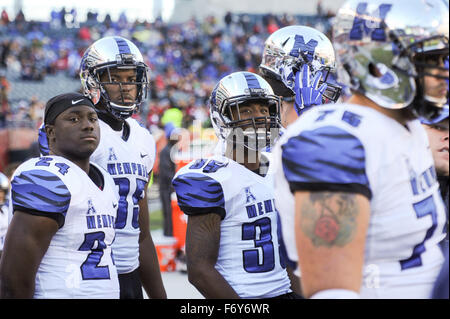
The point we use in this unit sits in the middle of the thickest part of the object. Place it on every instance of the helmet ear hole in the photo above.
(374, 71)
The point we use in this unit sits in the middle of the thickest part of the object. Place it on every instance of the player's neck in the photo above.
(244, 156)
(398, 115)
(116, 125)
(289, 115)
(82, 163)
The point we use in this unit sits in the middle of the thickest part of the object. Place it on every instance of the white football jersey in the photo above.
(351, 148)
(79, 261)
(129, 160)
(3, 224)
(249, 258)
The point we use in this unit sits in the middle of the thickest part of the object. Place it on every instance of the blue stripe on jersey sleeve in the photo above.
(197, 193)
(325, 156)
(39, 190)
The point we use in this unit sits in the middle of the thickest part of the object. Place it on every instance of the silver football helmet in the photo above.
(235, 90)
(288, 49)
(381, 47)
(104, 55)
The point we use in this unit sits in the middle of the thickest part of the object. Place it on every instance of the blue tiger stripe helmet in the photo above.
(231, 92)
(288, 49)
(104, 55)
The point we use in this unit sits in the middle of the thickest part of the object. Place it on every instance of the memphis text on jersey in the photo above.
(128, 168)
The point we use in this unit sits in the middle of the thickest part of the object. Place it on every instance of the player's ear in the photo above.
(50, 131)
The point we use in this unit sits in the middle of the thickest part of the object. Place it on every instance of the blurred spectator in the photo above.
(272, 25)
(4, 19)
(4, 52)
(84, 34)
(172, 115)
(228, 19)
(4, 103)
(123, 21)
(55, 19)
(62, 17)
(320, 12)
(36, 110)
(73, 18)
(20, 17)
(166, 173)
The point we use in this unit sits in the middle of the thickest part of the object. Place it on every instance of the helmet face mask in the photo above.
(288, 49)
(382, 46)
(233, 93)
(102, 62)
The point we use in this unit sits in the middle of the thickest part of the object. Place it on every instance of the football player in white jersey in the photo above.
(284, 65)
(4, 189)
(115, 77)
(368, 213)
(294, 61)
(232, 246)
(58, 243)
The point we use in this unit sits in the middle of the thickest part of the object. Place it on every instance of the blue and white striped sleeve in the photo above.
(326, 159)
(43, 142)
(41, 193)
(199, 194)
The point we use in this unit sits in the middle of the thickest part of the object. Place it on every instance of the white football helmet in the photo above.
(230, 93)
(102, 56)
(288, 49)
(381, 48)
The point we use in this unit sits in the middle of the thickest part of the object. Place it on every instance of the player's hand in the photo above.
(307, 94)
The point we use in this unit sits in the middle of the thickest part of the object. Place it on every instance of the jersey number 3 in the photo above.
(251, 257)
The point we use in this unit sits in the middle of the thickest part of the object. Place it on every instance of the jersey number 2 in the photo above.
(95, 242)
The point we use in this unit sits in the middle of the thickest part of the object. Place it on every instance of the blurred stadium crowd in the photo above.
(186, 60)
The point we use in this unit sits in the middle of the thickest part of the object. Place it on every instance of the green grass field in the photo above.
(156, 220)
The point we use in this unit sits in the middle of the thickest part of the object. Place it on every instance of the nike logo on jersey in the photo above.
(114, 206)
(77, 101)
(143, 155)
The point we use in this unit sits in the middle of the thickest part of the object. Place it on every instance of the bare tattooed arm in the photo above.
(330, 232)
